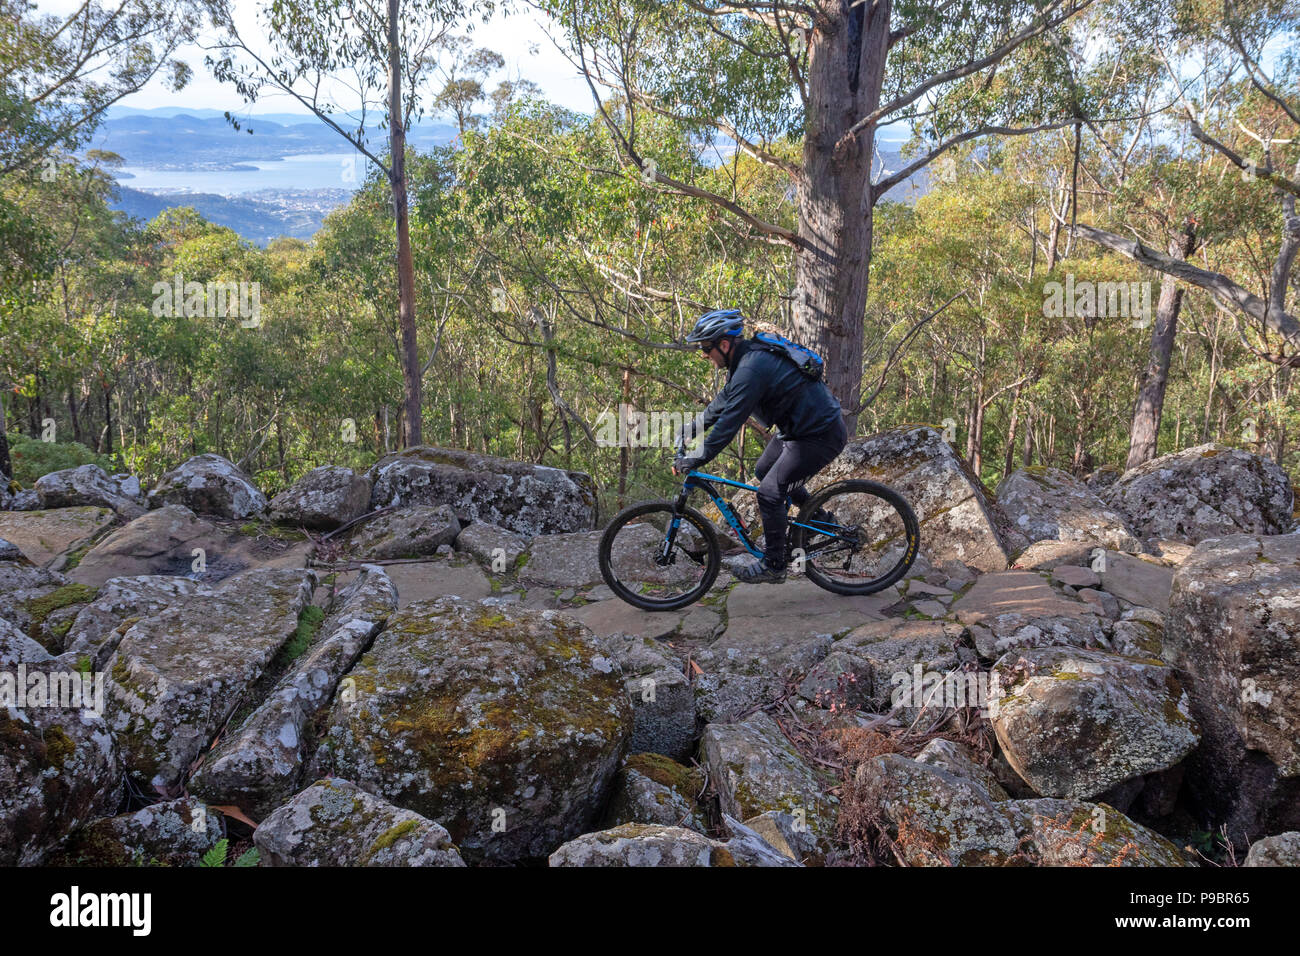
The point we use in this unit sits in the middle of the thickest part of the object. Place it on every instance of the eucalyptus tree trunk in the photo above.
(1145, 431)
(6, 469)
(846, 69)
(413, 391)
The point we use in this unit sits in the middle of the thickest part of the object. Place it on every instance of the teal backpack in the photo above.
(808, 362)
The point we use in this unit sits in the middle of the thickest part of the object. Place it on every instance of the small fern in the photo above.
(217, 855)
(221, 850)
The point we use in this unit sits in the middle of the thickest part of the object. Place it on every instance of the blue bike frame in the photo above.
(703, 481)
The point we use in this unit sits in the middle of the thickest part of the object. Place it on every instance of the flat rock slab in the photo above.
(165, 541)
(606, 618)
(44, 535)
(1015, 592)
(1075, 576)
(799, 608)
(1144, 583)
(425, 581)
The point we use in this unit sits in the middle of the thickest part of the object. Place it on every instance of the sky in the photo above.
(520, 39)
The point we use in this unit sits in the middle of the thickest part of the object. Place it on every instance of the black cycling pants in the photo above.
(781, 470)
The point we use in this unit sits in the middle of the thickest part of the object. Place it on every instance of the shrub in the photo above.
(32, 458)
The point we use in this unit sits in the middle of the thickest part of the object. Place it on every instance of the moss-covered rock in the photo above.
(172, 833)
(754, 768)
(639, 844)
(1073, 833)
(504, 724)
(336, 823)
(258, 764)
(179, 675)
(1075, 722)
(933, 816)
(521, 497)
(652, 788)
(59, 768)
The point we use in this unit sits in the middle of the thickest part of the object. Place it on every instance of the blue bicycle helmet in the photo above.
(714, 325)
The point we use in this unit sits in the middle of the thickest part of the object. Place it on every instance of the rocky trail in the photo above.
(419, 665)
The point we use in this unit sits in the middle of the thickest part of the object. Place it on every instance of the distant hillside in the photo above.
(258, 217)
(161, 139)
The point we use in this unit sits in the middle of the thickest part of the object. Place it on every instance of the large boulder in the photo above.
(504, 724)
(933, 816)
(1048, 504)
(1233, 632)
(492, 545)
(336, 823)
(959, 520)
(172, 833)
(1074, 833)
(45, 535)
(755, 768)
(257, 765)
(59, 769)
(1280, 850)
(160, 542)
(524, 498)
(1075, 723)
(325, 498)
(643, 844)
(178, 676)
(209, 485)
(1204, 492)
(408, 532)
(86, 485)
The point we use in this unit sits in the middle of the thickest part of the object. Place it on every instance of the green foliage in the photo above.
(32, 457)
(217, 856)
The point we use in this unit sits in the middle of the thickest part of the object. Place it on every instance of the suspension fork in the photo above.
(679, 505)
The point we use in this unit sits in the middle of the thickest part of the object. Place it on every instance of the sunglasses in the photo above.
(707, 347)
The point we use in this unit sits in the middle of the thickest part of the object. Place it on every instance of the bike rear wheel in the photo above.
(660, 559)
(871, 543)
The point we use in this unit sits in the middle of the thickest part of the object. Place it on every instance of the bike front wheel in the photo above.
(867, 544)
(660, 559)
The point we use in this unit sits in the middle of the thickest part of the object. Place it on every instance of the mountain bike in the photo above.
(851, 537)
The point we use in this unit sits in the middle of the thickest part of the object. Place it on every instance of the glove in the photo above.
(682, 465)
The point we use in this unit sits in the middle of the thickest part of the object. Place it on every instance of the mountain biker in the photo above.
(770, 387)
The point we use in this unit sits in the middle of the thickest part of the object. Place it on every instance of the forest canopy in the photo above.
(1097, 266)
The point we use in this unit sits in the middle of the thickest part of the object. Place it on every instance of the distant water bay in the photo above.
(306, 171)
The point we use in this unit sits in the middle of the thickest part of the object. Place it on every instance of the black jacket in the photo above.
(770, 388)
